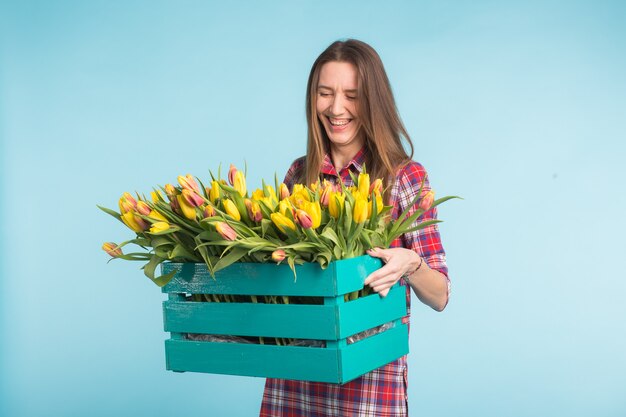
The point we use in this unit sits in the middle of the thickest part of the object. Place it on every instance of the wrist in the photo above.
(407, 276)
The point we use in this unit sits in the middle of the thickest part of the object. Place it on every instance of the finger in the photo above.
(382, 283)
(378, 274)
(386, 281)
(378, 253)
(382, 290)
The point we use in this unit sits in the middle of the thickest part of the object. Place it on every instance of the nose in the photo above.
(337, 107)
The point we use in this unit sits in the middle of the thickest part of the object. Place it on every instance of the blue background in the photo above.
(520, 107)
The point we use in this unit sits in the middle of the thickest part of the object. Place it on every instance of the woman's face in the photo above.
(337, 105)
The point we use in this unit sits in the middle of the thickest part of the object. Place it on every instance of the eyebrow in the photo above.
(354, 90)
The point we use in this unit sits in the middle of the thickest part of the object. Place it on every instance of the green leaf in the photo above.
(422, 225)
(291, 260)
(111, 212)
(150, 268)
(180, 251)
(233, 256)
(444, 199)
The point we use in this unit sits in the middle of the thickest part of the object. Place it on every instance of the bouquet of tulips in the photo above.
(223, 223)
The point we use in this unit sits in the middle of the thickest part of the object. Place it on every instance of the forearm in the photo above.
(430, 286)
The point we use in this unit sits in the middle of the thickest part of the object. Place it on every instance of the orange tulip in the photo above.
(193, 199)
(278, 255)
(188, 183)
(427, 200)
(254, 210)
(114, 250)
(226, 231)
(143, 208)
(283, 191)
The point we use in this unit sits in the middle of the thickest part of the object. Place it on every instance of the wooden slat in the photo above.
(371, 311)
(351, 273)
(249, 319)
(269, 279)
(374, 352)
(302, 363)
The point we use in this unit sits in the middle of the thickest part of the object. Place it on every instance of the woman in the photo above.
(353, 122)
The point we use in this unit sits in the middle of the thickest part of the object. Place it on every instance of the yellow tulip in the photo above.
(215, 193)
(271, 193)
(357, 194)
(240, 183)
(297, 188)
(364, 184)
(379, 204)
(336, 202)
(231, 209)
(377, 186)
(314, 210)
(282, 222)
(159, 227)
(157, 216)
(156, 196)
(189, 211)
(284, 206)
(359, 214)
(299, 196)
(171, 191)
(258, 195)
(208, 211)
(134, 222)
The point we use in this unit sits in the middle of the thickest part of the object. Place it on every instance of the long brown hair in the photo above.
(382, 127)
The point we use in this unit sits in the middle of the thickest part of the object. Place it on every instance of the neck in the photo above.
(341, 155)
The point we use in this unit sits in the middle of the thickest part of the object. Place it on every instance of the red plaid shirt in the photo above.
(382, 392)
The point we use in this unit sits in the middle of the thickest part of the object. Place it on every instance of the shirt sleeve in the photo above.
(427, 241)
(292, 172)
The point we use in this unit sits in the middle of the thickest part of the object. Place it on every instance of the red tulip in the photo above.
(304, 219)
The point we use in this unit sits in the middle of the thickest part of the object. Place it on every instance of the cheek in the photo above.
(354, 111)
(320, 106)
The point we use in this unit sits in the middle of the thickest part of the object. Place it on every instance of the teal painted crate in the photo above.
(333, 321)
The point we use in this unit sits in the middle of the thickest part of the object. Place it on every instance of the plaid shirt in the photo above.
(382, 392)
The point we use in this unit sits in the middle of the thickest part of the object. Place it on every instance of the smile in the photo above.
(339, 122)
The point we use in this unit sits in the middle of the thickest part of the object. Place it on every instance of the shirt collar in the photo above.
(356, 163)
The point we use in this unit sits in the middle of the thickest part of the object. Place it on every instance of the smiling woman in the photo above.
(337, 108)
(353, 123)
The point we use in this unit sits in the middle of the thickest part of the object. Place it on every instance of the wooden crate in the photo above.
(333, 321)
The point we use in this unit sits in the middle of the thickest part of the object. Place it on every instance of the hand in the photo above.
(398, 261)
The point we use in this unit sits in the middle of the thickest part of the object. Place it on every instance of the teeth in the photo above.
(339, 122)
